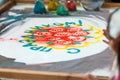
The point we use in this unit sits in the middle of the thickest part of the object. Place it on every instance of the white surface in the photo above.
(29, 56)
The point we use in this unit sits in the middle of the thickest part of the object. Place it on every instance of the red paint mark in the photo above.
(39, 33)
(60, 35)
(74, 29)
(57, 29)
(8, 39)
(15, 39)
(1, 39)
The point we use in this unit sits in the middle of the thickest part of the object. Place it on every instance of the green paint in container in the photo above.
(62, 11)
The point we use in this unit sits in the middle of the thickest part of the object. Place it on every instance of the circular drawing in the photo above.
(44, 40)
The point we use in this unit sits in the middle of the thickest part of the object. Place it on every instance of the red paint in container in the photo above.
(71, 5)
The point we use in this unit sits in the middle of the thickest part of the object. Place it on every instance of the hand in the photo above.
(90, 77)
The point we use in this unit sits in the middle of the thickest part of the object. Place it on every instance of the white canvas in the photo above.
(10, 45)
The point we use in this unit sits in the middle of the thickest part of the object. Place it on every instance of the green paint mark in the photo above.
(38, 27)
(32, 36)
(43, 30)
(58, 24)
(86, 30)
(50, 42)
(89, 37)
(46, 25)
(33, 40)
(24, 36)
(42, 36)
(67, 26)
(27, 40)
(77, 42)
(29, 36)
(21, 41)
(28, 31)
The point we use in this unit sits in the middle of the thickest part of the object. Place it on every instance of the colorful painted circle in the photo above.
(43, 40)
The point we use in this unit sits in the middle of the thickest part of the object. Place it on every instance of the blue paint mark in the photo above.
(48, 25)
(36, 48)
(68, 23)
(67, 26)
(73, 51)
(45, 49)
(21, 41)
(38, 27)
(28, 31)
(58, 24)
(27, 45)
(80, 22)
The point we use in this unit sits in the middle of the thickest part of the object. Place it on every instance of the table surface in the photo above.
(96, 64)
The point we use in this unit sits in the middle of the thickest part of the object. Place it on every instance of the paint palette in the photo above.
(44, 40)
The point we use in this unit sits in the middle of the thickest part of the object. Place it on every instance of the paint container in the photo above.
(53, 5)
(71, 5)
(92, 5)
(39, 7)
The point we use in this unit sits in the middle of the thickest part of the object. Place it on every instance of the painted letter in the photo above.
(27, 45)
(45, 49)
(73, 50)
(36, 48)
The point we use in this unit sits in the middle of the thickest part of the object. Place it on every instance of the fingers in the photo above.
(105, 33)
(107, 42)
(90, 77)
